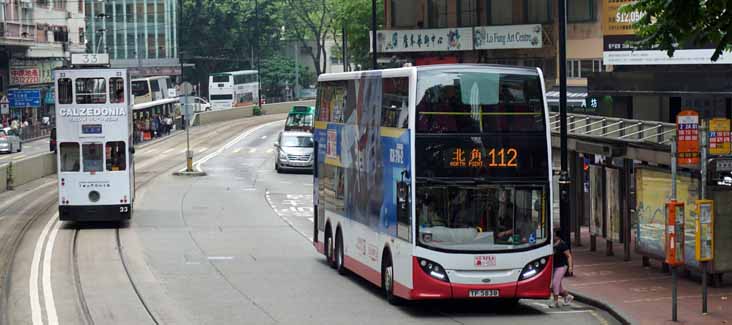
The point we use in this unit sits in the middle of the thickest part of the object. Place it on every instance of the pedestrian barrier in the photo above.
(3, 178)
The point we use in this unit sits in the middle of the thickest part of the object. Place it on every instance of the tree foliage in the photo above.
(355, 15)
(666, 24)
(278, 73)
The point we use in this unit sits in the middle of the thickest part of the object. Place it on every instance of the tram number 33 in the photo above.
(124, 209)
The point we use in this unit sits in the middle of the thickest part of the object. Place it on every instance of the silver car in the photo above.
(10, 141)
(294, 151)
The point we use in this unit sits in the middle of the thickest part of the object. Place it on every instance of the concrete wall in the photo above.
(283, 108)
(3, 178)
(222, 115)
(27, 170)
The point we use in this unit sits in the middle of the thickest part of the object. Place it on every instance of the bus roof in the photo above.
(302, 110)
(436, 67)
(234, 72)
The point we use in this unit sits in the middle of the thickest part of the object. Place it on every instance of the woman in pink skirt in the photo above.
(562, 265)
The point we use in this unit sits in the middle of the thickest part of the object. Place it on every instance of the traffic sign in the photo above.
(719, 136)
(186, 89)
(22, 98)
(187, 103)
(687, 138)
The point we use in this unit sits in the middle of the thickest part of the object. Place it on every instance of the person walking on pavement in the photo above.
(562, 264)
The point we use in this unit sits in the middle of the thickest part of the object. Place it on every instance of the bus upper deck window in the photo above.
(91, 91)
(116, 90)
(69, 154)
(92, 157)
(116, 157)
(65, 91)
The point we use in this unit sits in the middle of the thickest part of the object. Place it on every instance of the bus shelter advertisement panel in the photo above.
(654, 190)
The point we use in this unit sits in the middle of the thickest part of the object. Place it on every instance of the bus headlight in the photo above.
(533, 268)
(433, 269)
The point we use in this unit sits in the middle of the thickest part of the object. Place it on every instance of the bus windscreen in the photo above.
(470, 101)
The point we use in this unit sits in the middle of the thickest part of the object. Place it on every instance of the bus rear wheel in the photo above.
(329, 248)
(387, 280)
(339, 256)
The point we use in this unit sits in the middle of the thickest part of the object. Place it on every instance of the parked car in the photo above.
(294, 151)
(52, 140)
(10, 141)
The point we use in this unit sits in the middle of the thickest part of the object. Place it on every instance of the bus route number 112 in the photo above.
(496, 157)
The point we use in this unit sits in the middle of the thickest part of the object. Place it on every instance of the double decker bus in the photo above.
(94, 142)
(434, 182)
(233, 89)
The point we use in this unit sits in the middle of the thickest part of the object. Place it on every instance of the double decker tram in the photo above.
(94, 141)
(434, 182)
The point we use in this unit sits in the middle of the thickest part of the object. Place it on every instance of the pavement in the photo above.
(231, 247)
(642, 295)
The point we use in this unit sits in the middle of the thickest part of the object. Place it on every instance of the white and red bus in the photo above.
(434, 182)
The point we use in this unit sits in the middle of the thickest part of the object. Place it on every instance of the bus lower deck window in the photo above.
(92, 157)
(116, 157)
(69, 154)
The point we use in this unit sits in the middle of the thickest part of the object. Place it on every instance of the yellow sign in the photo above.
(618, 23)
(719, 136)
(704, 230)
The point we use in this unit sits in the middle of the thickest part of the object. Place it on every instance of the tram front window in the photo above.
(92, 157)
(91, 91)
(69, 153)
(115, 152)
(480, 217)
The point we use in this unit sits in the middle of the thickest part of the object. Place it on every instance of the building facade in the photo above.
(139, 35)
(515, 32)
(37, 36)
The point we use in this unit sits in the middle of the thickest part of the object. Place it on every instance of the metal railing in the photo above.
(614, 128)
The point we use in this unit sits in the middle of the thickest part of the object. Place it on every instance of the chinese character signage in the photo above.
(719, 136)
(507, 37)
(687, 138)
(476, 158)
(24, 75)
(24, 98)
(425, 40)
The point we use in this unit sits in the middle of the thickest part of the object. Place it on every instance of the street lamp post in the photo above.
(259, 82)
(564, 181)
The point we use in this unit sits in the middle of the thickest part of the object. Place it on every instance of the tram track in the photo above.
(215, 135)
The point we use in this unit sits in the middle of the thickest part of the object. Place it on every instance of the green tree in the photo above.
(666, 24)
(355, 15)
(278, 72)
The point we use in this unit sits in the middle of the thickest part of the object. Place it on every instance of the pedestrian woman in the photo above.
(562, 264)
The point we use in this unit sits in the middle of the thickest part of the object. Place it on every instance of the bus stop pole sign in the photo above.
(687, 138)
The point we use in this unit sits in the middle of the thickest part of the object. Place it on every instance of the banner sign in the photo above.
(507, 37)
(719, 136)
(687, 138)
(616, 22)
(425, 40)
(21, 98)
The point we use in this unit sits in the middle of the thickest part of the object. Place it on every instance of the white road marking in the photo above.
(237, 150)
(270, 150)
(182, 150)
(264, 137)
(19, 156)
(220, 258)
(311, 219)
(35, 299)
(169, 150)
(289, 223)
(252, 150)
(51, 314)
(202, 150)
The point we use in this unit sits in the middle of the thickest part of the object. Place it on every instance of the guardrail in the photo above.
(613, 128)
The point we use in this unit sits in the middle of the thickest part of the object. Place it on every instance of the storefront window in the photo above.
(116, 156)
(116, 90)
(537, 11)
(580, 10)
(65, 91)
(500, 12)
(92, 157)
(438, 13)
(91, 91)
(69, 153)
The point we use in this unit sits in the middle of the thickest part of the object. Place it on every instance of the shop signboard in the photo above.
(507, 37)
(619, 33)
(687, 138)
(25, 75)
(21, 98)
(652, 194)
(425, 40)
(719, 136)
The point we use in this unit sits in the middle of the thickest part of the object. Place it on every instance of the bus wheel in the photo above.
(329, 247)
(387, 280)
(339, 256)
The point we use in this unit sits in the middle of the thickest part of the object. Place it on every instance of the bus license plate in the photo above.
(482, 293)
